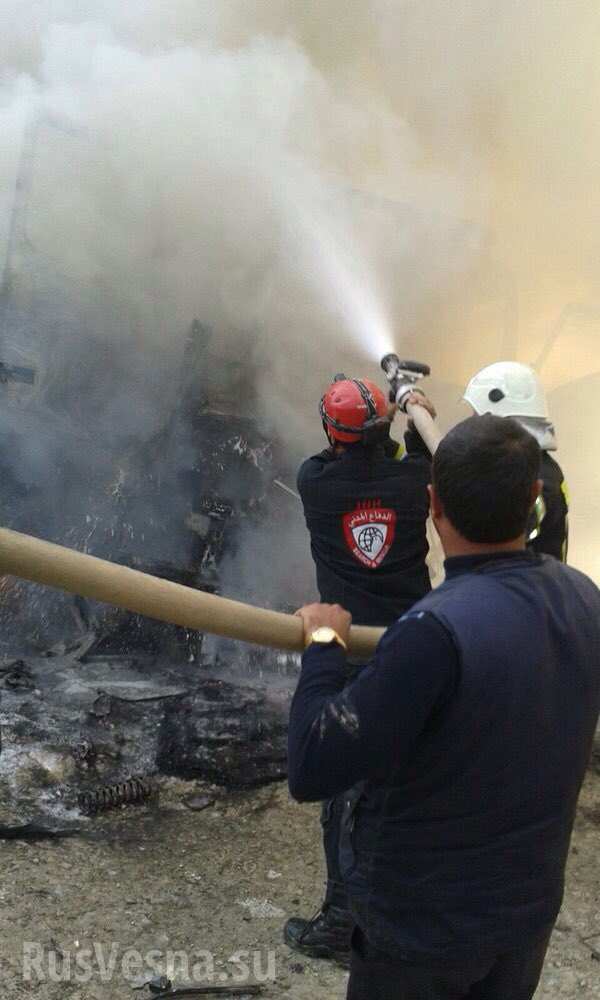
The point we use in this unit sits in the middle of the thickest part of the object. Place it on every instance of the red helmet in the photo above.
(349, 405)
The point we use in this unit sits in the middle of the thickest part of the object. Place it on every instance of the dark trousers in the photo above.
(332, 815)
(331, 821)
(513, 975)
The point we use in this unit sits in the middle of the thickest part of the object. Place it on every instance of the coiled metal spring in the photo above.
(135, 790)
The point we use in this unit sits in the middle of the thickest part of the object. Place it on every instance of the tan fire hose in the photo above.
(430, 434)
(425, 425)
(100, 580)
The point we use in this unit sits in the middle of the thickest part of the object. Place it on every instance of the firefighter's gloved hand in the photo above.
(420, 399)
(316, 616)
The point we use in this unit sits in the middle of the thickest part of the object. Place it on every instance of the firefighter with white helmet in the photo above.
(511, 389)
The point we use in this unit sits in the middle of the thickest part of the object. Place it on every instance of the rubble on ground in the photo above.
(91, 696)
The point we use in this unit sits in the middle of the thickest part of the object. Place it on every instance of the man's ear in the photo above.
(536, 489)
(436, 509)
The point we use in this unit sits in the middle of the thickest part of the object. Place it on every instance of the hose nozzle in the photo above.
(402, 376)
(390, 364)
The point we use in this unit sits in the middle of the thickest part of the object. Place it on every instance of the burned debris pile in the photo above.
(92, 697)
(224, 729)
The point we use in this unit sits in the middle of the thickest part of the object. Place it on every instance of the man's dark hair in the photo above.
(483, 472)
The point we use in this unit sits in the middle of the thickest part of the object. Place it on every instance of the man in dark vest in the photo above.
(366, 506)
(470, 730)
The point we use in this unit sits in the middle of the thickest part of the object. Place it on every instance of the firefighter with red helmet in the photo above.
(366, 507)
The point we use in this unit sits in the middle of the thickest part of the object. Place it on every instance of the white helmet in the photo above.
(507, 389)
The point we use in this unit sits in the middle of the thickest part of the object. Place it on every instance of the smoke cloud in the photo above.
(318, 184)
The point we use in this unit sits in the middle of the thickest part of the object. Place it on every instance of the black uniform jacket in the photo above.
(366, 513)
(553, 527)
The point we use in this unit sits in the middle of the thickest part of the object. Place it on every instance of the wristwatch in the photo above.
(325, 636)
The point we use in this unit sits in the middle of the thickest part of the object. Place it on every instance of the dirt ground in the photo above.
(167, 879)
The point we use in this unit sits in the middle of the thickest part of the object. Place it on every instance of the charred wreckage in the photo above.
(96, 703)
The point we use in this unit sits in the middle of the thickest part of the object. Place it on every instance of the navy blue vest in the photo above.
(464, 849)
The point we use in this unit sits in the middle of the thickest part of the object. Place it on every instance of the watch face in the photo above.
(324, 634)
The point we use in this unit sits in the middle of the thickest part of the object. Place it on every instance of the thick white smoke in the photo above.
(184, 166)
(312, 180)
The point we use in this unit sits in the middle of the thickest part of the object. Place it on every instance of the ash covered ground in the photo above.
(165, 878)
